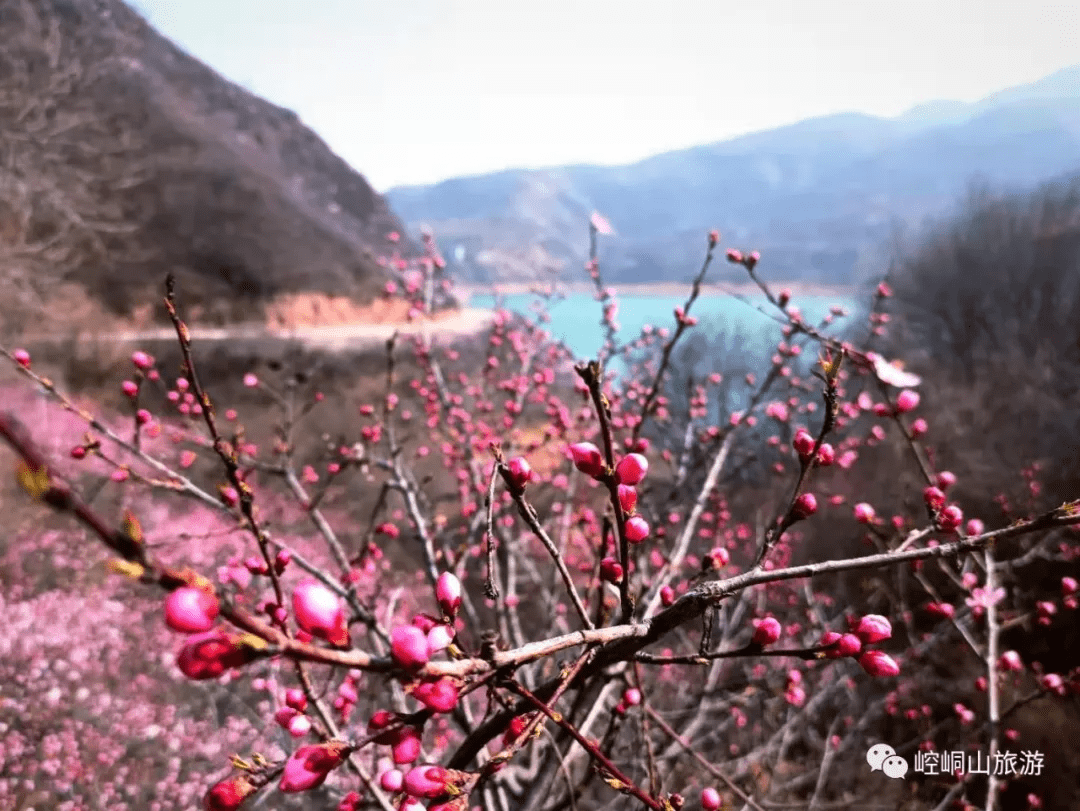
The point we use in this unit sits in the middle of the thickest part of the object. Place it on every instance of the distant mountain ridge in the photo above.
(124, 158)
(819, 198)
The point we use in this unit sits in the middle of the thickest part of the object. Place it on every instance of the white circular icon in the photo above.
(894, 766)
(877, 753)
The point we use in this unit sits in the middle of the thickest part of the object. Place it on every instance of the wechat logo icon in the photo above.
(883, 758)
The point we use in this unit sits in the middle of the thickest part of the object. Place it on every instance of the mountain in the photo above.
(124, 158)
(820, 198)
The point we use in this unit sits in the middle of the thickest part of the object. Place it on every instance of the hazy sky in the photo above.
(413, 91)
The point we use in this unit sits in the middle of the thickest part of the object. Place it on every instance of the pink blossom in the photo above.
(805, 506)
(879, 664)
(392, 780)
(426, 781)
(637, 529)
(438, 696)
(766, 631)
(229, 794)
(520, 471)
(980, 599)
(409, 647)
(601, 224)
(448, 593)
(22, 357)
(208, 655)
(611, 570)
(439, 638)
(251, 380)
(892, 374)
(190, 610)
(906, 401)
(803, 443)
(873, 628)
(1010, 660)
(934, 498)
(710, 799)
(141, 360)
(864, 513)
(320, 612)
(587, 458)
(309, 766)
(632, 469)
(627, 497)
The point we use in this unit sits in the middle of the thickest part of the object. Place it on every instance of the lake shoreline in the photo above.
(647, 289)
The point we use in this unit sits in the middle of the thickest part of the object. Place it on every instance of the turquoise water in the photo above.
(576, 320)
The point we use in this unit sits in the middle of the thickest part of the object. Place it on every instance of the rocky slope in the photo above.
(123, 158)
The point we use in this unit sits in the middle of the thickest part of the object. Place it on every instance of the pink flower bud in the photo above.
(426, 781)
(766, 631)
(826, 454)
(228, 795)
(906, 401)
(803, 444)
(78, 452)
(250, 380)
(392, 780)
(295, 698)
(282, 560)
(805, 506)
(714, 237)
(520, 472)
(919, 428)
(587, 458)
(1010, 660)
(190, 610)
(946, 610)
(408, 646)
(632, 469)
(710, 799)
(873, 628)
(438, 696)
(829, 641)
(130, 388)
(974, 526)
(406, 748)
(309, 766)
(945, 479)
(448, 593)
(1069, 586)
(632, 696)
(667, 596)
(22, 357)
(1052, 682)
(934, 498)
(849, 645)
(637, 529)
(208, 655)
(878, 664)
(611, 570)
(950, 518)
(319, 612)
(141, 360)
(299, 726)
(439, 638)
(627, 497)
(864, 513)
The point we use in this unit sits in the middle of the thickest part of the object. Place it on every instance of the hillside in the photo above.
(124, 158)
(821, 199)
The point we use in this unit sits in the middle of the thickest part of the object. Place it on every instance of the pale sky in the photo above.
(415, 91)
